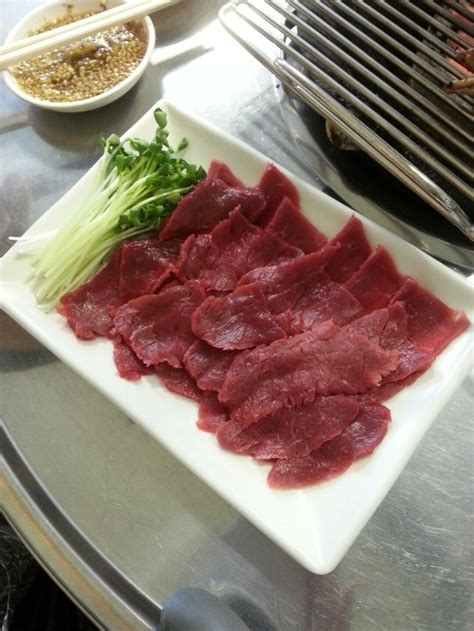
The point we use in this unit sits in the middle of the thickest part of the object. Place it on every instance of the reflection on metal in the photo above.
(146, 514)
(347, 61)
(97, 587)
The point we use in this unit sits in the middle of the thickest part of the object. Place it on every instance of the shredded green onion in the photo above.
(139, 183)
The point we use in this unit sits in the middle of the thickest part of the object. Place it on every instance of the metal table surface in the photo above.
(116, 519)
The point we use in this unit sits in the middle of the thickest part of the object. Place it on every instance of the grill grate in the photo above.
(376, 69)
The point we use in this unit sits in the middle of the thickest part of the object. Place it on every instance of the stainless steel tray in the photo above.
(118, 521)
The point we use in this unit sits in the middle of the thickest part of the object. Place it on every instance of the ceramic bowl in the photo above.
(53, 9)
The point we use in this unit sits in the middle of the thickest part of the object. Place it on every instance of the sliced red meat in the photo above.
(178, 381)
(334, 457)
(388, 326)
(233, 248)
(208, 365)
(431, 326)
(412, 359)
(294, 432)
(370, 325)
(145, 265)
(376, 281)
(207, 204)
(276, 279)
(127, 363)
(158, 327)
(322, 301)
(291, 225)
(419, 327)
(138, 267)
(431, 323)
(303, 294)
(354, 250)
(395, 331)
(88, 308)
(387, 390)
(275, 187)
(293, 372)
(236, 321)
(220, 171)
(212, 414)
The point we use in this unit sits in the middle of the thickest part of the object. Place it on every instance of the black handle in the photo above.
(194, 609)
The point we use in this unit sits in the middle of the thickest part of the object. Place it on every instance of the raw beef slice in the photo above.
(302, 292)
(293, 372)
(211, 414)
(291, 225)
(395, 331)
(234, 247)
(127, 363)
(278, 278)
(275, 187)
(158, 327)
(294, 432)
(431, 326)
(419, 326)
(334, 457)
(138, 267)
(208, 365)
(387, 390)
(178, 381)
(220, 171)
(236, 321)
(387, 326)
(376, 281)
(88, 308)
(145, 265)
(207, 204)
(354, 250)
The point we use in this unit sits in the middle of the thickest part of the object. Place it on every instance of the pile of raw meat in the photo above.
(289, 341)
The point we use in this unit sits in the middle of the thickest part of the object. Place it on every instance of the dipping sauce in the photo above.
(84, 68)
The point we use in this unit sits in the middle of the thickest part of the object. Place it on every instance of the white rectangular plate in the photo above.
(316, 525)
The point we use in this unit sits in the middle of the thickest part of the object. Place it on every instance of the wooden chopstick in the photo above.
(56, 38)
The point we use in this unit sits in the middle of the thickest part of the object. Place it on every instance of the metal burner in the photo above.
(376, 71)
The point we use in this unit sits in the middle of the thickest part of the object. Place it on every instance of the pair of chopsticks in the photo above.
(49, 40)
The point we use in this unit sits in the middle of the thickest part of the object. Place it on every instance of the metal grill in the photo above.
(376, 70)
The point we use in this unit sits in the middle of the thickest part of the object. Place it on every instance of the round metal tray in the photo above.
(363, 184)
(116, 519)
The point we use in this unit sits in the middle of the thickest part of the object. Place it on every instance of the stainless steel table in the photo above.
(117, 520)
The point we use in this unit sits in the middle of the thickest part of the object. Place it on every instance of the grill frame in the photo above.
(270, 21)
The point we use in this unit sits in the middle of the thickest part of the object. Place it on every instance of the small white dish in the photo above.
(53, 9)
(315, 525)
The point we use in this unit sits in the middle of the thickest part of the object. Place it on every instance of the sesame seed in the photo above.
(85, 68)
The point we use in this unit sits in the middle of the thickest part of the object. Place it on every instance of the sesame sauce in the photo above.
(84, 68)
